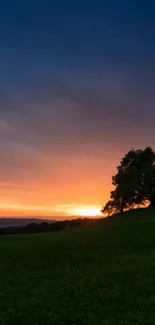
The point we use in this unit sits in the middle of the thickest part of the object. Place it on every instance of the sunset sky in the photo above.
(77, 91)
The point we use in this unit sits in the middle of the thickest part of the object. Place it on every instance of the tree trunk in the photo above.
(122, 206)
(152, 202)
(121, 209)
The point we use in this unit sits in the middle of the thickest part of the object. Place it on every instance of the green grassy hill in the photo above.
(99, 274)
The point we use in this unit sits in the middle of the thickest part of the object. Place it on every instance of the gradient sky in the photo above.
(77, 91)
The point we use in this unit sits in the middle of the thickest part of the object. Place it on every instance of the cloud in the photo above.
(3, 125)
(75, 107)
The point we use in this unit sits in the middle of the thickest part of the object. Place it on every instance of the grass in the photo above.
(100, 274)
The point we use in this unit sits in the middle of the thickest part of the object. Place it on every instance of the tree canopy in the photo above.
(134, 182)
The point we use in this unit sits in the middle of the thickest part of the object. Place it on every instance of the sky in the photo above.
(77, 91)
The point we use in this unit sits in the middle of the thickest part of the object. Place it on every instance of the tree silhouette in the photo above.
(134, 182)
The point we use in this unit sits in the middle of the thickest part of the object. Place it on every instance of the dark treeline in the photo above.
(45, 227)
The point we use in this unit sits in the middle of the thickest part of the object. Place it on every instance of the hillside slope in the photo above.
(100, 274)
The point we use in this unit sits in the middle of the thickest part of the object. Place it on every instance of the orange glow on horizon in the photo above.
(19, 210)
(76, 185)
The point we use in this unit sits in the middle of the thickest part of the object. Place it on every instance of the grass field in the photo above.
(100, 274)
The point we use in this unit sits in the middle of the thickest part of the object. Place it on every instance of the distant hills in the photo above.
(14, 222)
(23, 226)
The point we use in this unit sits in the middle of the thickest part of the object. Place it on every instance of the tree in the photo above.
(111, 207)
(134, 181)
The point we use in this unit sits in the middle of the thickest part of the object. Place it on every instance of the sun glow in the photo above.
(87, 211)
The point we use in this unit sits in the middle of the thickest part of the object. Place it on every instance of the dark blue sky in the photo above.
(75, 78)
